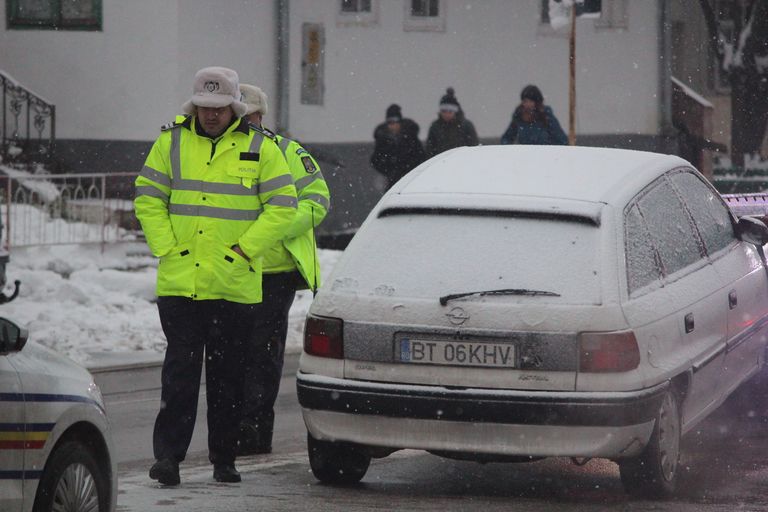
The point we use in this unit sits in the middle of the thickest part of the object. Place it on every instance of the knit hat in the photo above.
(254, 98)
(531, 92)
(215, 87)
(448, 102)
(394, 114)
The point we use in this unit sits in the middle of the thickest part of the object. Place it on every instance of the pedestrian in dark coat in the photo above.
(533, 122)
(398, 148)
(451, 129)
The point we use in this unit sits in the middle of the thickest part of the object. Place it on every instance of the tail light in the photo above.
(606, 352)
(323, 337)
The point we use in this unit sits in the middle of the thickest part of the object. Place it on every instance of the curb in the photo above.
(124, 366)
(107, 362)
(110, 361)
(138, 376)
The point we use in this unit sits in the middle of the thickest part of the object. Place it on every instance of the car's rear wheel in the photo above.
(72, 481)
(336, 463)
(653, 474)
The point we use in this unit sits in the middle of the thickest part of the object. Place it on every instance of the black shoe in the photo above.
(251, 441)
(165, 471)
(225, 473)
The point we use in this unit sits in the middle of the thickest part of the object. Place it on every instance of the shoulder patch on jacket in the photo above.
(309, 165)
(301, 150)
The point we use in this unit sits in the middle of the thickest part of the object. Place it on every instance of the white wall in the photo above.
(124, 82)
(489, 51)
(105, 85)
(239, 34)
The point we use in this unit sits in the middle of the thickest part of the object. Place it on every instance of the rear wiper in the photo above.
(506, 291)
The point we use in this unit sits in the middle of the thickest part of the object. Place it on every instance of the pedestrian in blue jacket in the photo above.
(533, 122)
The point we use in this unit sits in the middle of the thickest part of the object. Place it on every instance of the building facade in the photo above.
(117, 71)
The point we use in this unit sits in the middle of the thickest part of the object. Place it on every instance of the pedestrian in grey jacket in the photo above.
(451, 129)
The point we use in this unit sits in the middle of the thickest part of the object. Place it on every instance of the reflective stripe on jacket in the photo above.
(298, 249)
(197, 197)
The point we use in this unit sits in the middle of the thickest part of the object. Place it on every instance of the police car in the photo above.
(55, 439)
(507, 303)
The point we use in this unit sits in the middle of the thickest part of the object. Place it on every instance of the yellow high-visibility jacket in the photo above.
(196, 198)
(298, 250)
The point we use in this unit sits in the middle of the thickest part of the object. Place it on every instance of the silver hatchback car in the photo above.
(506, 303)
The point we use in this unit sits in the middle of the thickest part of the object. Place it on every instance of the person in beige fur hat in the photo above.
(208, 218)
(215, 99)
(255, 102)
(291, 264)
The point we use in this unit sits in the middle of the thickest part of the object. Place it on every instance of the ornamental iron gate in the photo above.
(27, 125)
(60, 209)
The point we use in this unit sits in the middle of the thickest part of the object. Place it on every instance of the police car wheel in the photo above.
(72, 482)
(336, 463)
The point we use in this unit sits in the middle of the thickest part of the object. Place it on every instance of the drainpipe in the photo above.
(282, 35)
(665, 68)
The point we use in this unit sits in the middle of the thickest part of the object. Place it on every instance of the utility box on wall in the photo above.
(312, 63)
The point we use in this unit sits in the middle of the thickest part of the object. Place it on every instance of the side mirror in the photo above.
(12, 337)
(752, 230)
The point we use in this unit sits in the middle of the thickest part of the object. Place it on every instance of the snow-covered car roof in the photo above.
(567, 173)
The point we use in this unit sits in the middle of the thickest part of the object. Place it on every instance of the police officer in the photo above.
(214, 196)
(289, 265)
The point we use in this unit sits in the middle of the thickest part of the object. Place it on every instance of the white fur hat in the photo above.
(215, 87)
(254, 98)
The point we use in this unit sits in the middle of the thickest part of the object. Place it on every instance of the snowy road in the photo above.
(724, 469)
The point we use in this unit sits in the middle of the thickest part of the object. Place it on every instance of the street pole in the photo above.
(282, 57)
(572, 81)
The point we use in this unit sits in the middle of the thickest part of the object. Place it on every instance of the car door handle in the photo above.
(689, 323)
(733, 300)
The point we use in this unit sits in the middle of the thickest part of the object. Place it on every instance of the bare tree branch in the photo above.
(755, 45)
(712, 27)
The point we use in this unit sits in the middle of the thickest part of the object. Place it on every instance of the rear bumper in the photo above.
(486, 421)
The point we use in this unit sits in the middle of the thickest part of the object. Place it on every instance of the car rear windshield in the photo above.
(429, 255)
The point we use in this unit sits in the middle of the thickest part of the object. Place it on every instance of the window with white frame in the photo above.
(358, 12)
(424, 15)
(54, 14)
(544, 12)
(613, 14)
(355, 5)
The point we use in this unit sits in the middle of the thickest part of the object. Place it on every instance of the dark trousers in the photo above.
(219, 330)
(264, 355)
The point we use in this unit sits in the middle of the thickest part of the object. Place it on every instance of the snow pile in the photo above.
(77, 300)
(45, 190)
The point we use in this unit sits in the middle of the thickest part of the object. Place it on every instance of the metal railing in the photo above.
(747, 204)
(26, 118)
(60, 209)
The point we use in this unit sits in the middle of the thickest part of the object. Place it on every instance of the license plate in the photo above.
(461, 353)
